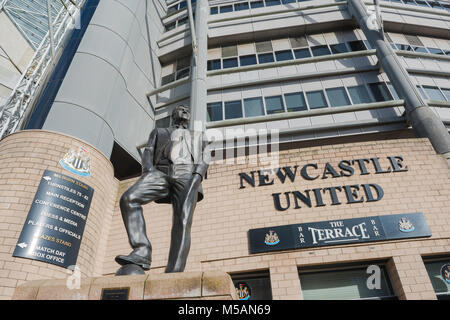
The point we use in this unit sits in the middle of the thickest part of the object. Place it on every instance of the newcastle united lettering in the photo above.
(317, 197)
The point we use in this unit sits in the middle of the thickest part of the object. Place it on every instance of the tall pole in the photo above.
(199, 67)
(425, 123)
(50, 31)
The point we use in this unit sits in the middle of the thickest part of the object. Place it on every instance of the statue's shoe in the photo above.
(133, 258)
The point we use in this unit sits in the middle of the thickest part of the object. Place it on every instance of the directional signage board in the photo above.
(55, 224)
(338, 232)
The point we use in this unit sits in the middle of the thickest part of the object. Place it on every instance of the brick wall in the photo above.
(222, 219)
(24, 156)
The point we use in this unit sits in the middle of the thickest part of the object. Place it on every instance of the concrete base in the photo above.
(211, 285)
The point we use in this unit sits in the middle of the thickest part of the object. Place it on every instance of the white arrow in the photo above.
(47, 178)
(23, 245)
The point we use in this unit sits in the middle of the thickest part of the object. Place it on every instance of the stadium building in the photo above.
(329, 126)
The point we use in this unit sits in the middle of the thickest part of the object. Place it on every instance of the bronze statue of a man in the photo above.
(174, 164)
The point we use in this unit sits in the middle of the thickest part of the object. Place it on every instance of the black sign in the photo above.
(328, 233)
(55, 223)
(115, 294)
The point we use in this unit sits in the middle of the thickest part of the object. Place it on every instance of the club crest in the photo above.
(77, 162)
(404, 225)
(445, 272)
(271, 238)
(243, 291)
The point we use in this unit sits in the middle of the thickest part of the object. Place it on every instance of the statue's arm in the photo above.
(203, 164)
(149, 151)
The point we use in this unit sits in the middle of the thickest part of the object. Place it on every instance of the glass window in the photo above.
(272, 3)
(295, 101)
(446, 92)
(393, 91)
(256, 4)
(338, 48)
(168, 79)
(420, 49)
(253, 107)
(434, 93)
(337, 97)
(344, 284)
(183, 73)
(316, 99)
(229, 51)
(183, 63)
(380, 92)
(274, 104)
(404, 47)
(320, 51)
(233, 109)
(163, 123)
(435, 4)
(435, 51)
(252, 286)
(359, 94)
(266, 58)
(422, 93)
(214, 64)
(367, 43)
(439, 273)
(299, 42)
(263, 46)
(214, 111)
(357, 45)
(182, 21)
(422, 3)
(288, 1)
(241, 6)
(284, 55)
(225, 9)
(172, 9)
(247, 60)
(230, 63)
(170, 26)
(302, 53)
(214, 10)
(183, 5)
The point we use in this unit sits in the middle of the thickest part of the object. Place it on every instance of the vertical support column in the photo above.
(199, 67)
(409, 278)
(424, 121)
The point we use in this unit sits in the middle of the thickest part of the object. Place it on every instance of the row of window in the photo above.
(434, 93)
(250, 4)
(265, 53)
(407, 47)
(423, 3)
(179, 6)
(269, 3)
(343, 283)
(300, 101)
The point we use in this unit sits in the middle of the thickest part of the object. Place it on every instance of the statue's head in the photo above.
(181, 116)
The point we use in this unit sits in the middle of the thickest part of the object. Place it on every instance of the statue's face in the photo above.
(181, 115)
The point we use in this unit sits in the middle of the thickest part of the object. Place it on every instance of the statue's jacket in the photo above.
(160, 143)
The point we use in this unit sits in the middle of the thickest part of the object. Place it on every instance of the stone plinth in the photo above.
(211, 285)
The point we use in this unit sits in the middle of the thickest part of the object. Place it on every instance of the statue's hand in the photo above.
(196, 180)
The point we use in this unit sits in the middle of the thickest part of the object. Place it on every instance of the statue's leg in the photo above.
(148, 188)
(184, 200)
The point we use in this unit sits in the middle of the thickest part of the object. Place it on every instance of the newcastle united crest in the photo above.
(445, 272)
(271, 238)
(243, 291)
(77, 162)
(404, 225)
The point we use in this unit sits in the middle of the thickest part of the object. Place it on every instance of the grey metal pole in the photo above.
(50, 31)
(424, 121)
(199, 67)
